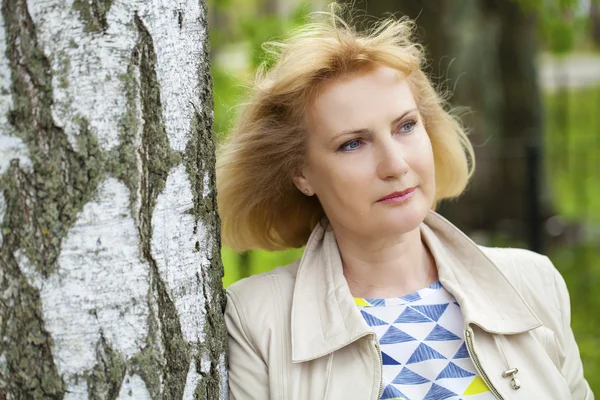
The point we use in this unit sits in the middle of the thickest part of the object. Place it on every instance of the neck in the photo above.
(386, 267)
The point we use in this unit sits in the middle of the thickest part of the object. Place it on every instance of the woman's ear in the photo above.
(301, 182)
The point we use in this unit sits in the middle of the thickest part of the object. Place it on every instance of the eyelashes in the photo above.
(354, 144)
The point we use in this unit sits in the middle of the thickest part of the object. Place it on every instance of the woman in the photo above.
(345, 147)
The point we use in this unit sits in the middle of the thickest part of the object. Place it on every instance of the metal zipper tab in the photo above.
(510, 373)
(480, 371)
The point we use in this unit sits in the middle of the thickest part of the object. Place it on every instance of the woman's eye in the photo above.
(351, 145)
(408, 126)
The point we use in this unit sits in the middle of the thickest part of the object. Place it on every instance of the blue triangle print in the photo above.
(433, 311)
(410, 316)
(387, 360)
(453, 371)
(395, 335)
(411, 297)
(438, 393)
(391, 392)
(462, 352)
(376, 302)
(424, 353)
(435, 285)
(439, 334)
(371, 320)
(408, 377)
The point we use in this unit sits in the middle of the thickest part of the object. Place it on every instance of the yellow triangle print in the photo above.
(477, 386)
(361, 302)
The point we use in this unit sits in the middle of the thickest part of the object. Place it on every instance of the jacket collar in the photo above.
(325, 318)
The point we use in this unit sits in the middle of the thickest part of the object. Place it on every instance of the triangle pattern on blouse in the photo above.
(376, 302)
(462, 352)
(395, 335)
(411, 297)
(392, 393)
(423, 353)
(441, 334)
(476, 387)
(372, 320)
(361, 302)
(408, 377)
(410, 316)
(454, 371)
(433, 311)
(438, 392)
(387, 360)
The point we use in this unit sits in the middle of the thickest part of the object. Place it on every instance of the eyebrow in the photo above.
(366, 131)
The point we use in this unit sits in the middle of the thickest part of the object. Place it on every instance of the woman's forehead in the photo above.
(362, 97)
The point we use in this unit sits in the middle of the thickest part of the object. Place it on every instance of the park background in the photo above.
(527, 73)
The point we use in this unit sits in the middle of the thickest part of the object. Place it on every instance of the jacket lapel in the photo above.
(325, 318)
(486, 297)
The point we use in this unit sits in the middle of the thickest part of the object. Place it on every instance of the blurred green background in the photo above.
(528, 72)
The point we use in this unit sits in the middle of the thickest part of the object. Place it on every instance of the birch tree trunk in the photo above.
(110, 274)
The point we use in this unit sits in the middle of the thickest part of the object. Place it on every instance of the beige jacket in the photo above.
(296, 333)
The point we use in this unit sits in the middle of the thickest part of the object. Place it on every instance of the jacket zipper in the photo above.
(471, 350)
(378, 351)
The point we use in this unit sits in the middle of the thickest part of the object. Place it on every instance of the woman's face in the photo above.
(366, 140)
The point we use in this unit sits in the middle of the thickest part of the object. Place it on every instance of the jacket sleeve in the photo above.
(572, 368)
(247, 370)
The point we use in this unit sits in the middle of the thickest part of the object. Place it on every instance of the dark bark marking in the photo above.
(105, 379)
(93, 13)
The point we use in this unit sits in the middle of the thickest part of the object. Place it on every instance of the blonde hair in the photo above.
(259, 205)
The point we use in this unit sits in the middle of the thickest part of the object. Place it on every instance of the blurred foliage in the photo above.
(230, 88)
(560, 23)
(258, 261)
(572, 142)
(265, 28)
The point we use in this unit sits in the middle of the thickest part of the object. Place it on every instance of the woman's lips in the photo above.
(398, 197)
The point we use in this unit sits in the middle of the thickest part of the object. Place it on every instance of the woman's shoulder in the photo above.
(519, 261)
(263, 301)
(256, 286)
(535, 277)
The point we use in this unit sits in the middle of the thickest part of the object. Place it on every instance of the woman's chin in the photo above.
(400, 221)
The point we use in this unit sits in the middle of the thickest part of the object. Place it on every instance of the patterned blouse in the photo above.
(423, 347)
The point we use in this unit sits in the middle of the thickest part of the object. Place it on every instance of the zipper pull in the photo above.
(515, 383)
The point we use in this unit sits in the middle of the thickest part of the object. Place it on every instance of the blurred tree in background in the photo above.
(527, 74)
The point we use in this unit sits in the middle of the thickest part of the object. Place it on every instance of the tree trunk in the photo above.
(595, 21)
(110, 274)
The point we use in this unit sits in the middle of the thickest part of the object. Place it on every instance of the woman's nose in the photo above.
(391, 161)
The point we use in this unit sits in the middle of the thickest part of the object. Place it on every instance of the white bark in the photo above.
(99, 288)
(173, 245)
(105, 302)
